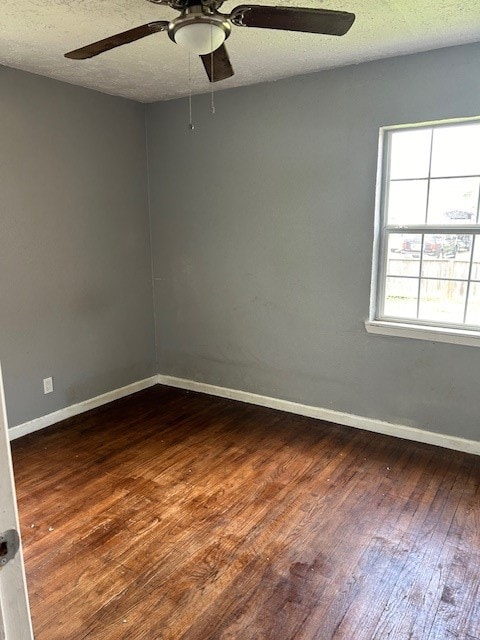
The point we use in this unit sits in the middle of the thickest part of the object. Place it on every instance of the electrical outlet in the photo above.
(47, 385)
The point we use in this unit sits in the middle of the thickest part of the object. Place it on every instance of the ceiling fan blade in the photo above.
(334, 23)
(117, 40)
(217, 64)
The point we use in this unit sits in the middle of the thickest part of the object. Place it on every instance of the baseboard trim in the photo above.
(75, 409)
(339, 417)
(320, 413)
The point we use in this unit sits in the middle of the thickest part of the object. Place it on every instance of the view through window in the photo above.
(429, 262)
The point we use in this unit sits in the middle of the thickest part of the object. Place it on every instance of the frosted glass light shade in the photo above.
(200, 37)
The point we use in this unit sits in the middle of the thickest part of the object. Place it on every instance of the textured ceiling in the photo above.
(34, 35)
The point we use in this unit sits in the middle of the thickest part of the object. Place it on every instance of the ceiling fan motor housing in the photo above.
(199, 14)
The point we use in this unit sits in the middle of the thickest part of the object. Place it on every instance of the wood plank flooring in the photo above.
(172, 515)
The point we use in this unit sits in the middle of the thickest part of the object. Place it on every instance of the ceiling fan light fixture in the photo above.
(200, 37)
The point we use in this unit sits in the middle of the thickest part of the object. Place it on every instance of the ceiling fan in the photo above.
(202, 29)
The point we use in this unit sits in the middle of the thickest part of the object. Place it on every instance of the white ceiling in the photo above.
(34, 35)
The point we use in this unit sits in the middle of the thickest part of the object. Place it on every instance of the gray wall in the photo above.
(75, 266)
(262, 228)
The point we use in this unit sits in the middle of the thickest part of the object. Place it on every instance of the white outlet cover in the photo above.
(47, 385)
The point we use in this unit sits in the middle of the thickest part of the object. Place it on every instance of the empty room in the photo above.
(240, 320)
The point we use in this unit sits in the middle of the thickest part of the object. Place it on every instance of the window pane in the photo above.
(453, 201)
(446, 256)
(455, 150)
(473, 307)
(401, 297)
(402, 259)
(410, 153)
(442, 301)
(407, 202)
(476, 259)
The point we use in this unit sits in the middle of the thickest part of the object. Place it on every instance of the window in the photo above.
(426, 280)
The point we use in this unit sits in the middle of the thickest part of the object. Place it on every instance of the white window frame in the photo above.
(377, 322)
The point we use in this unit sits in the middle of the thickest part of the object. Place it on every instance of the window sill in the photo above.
(420, 332)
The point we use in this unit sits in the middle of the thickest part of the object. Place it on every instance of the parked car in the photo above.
(435, 245)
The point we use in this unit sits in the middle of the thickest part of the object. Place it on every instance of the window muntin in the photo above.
(429, 262)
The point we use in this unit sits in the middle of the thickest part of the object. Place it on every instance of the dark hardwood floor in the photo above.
(177, 516)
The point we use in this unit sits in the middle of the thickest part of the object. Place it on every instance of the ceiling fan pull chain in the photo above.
(212, 105)
(191, 126)
(212, 92)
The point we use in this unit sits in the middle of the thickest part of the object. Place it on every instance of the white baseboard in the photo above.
(320, 413)
(81, 407)
(339, 417)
